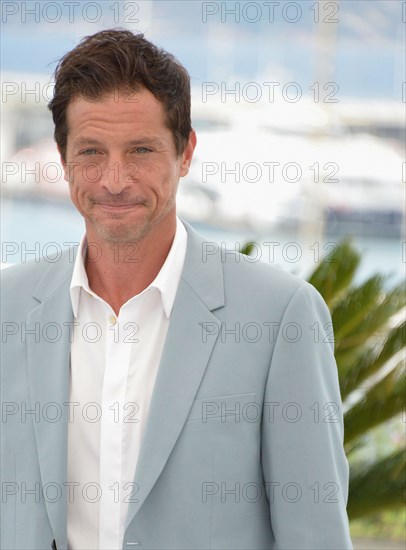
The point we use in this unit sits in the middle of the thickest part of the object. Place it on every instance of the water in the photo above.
(31, 228)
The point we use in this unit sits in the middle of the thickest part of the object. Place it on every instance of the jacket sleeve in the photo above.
(305, 469)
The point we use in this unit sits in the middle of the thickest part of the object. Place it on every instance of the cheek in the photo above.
(84, 177)
(160, 177)
(86, 174)
(75, 194)
(79, 184)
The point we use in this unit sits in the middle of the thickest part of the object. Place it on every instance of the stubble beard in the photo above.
(121, 232)
(118, 231)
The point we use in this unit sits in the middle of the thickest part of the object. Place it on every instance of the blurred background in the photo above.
(300, 112)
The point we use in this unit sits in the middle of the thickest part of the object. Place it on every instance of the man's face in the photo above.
(121, 165)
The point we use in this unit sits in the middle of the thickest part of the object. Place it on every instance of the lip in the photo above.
(118, 207)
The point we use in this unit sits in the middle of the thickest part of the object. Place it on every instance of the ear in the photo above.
(64, 166)
(187, 154)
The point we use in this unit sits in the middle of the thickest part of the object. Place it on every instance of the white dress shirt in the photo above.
(114, 362)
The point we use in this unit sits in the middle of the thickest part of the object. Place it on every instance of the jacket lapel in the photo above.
(48, 372)
(183, 363)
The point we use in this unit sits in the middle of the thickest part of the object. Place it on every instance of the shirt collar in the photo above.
(166, 281)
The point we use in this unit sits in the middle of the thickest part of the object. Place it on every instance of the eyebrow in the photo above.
(140, 141)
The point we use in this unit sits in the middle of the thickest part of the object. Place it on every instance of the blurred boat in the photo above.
(278, 165)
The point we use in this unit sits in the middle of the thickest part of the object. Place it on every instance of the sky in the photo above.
(358, 44)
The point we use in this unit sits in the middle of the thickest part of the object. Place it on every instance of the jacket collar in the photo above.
(202, 270)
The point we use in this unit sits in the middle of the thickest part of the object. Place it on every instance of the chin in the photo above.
(123, 234)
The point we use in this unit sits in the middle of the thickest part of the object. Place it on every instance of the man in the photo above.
(159, 392)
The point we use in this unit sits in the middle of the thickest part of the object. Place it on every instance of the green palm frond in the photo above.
(366, 342)
(368, 361)
(367, 346)
(348, 315)
(377, 486)
(367, 310)
(381, 402)
(333, 276)
(248, 247)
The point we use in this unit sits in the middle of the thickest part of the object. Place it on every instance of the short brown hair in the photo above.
(117, 59)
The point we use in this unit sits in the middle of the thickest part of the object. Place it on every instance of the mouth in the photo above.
(118, 207)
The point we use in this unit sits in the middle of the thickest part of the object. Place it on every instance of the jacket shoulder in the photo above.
(257, 275)
(18, 281)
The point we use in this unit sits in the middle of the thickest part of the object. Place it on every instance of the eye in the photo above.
(142, 150)
(89, 152)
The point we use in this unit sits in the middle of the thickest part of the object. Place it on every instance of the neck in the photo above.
(118, 271)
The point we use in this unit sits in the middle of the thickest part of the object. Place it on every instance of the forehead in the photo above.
(116, 111)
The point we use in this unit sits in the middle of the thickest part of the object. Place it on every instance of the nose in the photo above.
(117, 174)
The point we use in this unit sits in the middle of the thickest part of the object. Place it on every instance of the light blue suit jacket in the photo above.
(243, 446)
